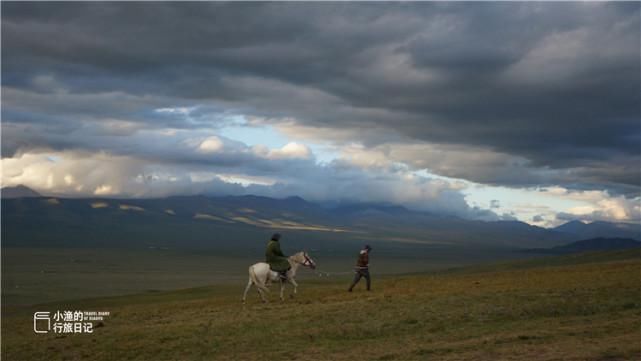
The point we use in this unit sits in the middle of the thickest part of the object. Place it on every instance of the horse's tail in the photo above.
(254, 278)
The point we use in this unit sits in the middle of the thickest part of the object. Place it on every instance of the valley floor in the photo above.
(573, 308)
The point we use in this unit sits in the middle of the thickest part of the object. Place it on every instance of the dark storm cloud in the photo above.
(556, 84)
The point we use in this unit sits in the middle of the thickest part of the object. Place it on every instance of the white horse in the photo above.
(260, 275)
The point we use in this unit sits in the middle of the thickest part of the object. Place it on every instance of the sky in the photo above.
(489, 111)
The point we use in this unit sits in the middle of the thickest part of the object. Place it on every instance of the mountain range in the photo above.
(599, 229)
(233, 221)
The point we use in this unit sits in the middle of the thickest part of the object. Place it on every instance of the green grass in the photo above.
(541, 310)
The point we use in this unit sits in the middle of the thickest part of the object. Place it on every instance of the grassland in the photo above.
(570, 308)
(32, 275)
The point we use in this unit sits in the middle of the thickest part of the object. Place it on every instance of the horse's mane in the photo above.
(297, 254)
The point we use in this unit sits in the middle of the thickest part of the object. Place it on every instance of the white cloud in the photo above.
(596, 205)
(246, 180)
(290, 150)
(212, 144)
(83, 174)
(360, 156)
(71, 172)
(104, 190)
(176, 110)
(69, 179)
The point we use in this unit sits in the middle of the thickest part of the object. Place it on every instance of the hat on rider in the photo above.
(276, 237)
(367, 247)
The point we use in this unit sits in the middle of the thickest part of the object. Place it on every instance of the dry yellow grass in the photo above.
(575, 312)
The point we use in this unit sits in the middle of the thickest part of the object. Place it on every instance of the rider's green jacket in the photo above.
(274, 256)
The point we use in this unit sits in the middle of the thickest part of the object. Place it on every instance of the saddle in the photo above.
(281, 274)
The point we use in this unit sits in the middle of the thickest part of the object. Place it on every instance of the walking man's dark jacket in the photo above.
(363, 260)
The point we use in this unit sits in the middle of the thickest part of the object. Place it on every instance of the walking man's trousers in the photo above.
(357, 277)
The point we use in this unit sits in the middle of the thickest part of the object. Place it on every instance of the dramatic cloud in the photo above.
(104, 175)
(598, 206)
(522, 95)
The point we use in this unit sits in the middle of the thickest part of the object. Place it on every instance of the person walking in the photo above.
(362, 268)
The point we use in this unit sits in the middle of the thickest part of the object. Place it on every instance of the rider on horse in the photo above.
(277, 260)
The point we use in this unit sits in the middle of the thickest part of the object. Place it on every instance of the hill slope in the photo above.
(590, 245)
(586, 311)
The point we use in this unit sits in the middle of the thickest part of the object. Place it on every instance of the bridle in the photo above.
(307, 262)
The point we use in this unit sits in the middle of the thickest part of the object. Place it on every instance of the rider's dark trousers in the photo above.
(357, 277)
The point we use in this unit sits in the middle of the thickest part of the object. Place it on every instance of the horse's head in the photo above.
(308, 261)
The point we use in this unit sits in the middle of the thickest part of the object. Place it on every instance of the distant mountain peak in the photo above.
(19, 191)
(298, 202)
(598, 229)
(295, 199)
(370, 208)
(572, 226)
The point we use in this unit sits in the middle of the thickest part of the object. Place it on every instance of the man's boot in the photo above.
(283, 275)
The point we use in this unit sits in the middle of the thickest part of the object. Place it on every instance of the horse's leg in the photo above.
(295, 286)
(249, 284)
(262, 295)
(261, 291)
(282, 289)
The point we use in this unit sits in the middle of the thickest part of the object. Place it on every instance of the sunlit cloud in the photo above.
(290, 150)
(212, 144)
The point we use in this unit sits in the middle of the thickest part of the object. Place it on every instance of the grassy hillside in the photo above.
(539, 310)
